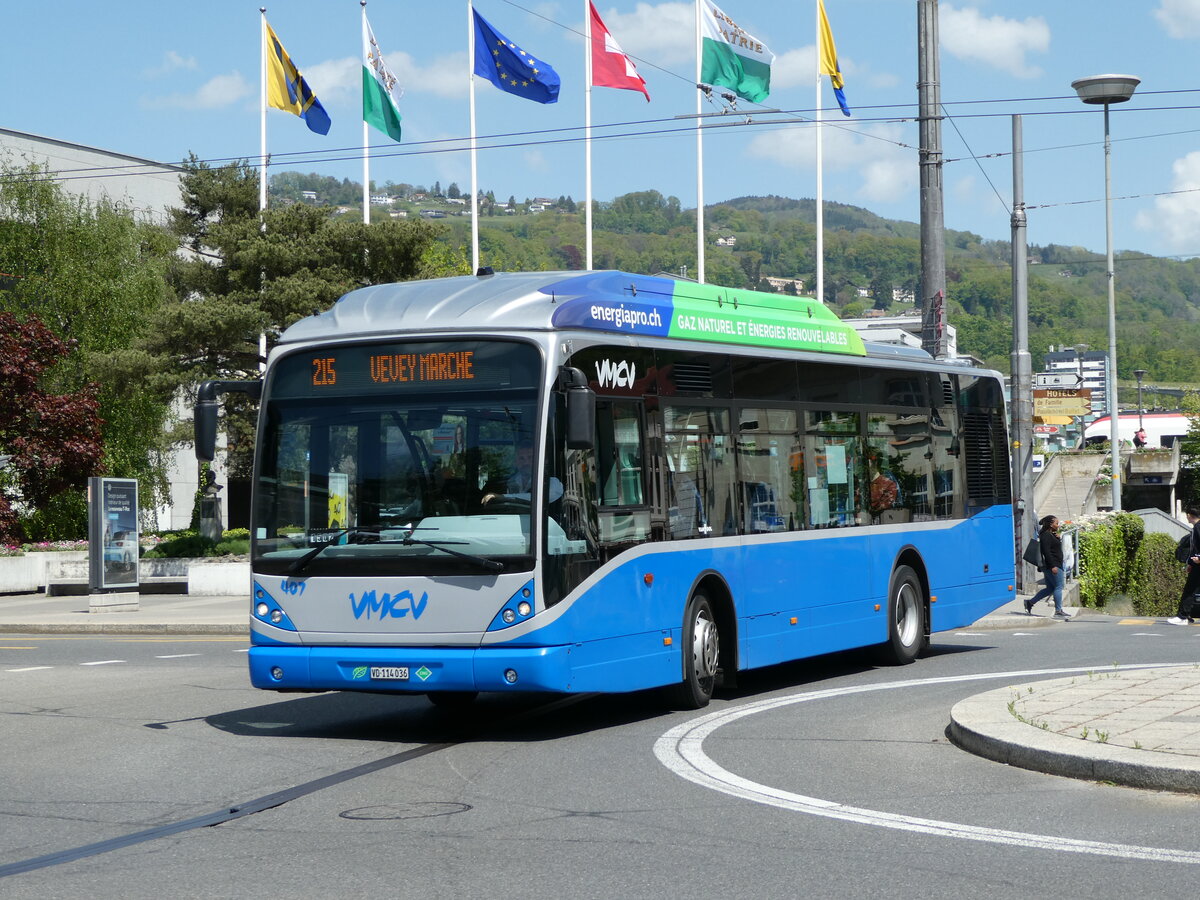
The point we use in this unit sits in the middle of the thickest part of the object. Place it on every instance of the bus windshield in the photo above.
(413, 458)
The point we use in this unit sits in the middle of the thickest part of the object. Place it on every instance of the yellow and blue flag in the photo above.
(510, 68)
(287, 89)
(829, 64)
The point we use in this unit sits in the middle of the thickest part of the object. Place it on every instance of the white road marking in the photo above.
(681, 750)
(103, 662)
(242, 650)
(176, 655)
(1145, 634)
(30, 669)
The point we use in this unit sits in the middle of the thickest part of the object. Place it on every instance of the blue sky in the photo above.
(161, 80)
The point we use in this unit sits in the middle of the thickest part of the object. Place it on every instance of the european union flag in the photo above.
(510, 68)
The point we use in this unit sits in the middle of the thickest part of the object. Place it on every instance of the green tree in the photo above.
(94, 273)
(255, 274)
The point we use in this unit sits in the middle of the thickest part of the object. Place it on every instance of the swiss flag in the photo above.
(610, 66)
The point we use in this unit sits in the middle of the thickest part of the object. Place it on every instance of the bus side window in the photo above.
(835, 475)
(619, 460)
(619, 454)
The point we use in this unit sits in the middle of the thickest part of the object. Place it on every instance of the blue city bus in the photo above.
(721, 480)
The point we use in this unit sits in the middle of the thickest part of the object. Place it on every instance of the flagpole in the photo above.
(587, 128)
(474, 167)
(262, 93)
(699, 159)
(820, 202)
(366, 129)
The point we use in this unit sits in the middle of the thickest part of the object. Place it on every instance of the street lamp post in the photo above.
(1106, 90)
(1139, 374)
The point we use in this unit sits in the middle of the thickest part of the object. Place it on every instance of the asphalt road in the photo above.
(145, 766)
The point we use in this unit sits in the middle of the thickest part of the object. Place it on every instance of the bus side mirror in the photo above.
(205, 416)
(581, 410)
(206, 430)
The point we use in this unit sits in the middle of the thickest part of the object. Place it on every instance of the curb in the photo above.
(122, 628)
(982, 725)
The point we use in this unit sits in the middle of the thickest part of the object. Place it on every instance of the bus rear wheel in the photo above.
(701, 655)
(906, 618)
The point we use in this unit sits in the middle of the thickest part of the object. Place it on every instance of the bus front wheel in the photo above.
(701, 655)
(906, 617)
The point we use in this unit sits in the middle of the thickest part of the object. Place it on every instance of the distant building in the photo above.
(399, 213)
(781, 284)
(309, 195)
(730, 241)
(904, 331)
(432, 214)
(142, 186)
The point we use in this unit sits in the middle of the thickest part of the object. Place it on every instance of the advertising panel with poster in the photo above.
(113, 533)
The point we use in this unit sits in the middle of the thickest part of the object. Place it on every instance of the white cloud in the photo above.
(1176, 218)
(1180, 18)
(998, 42)
(216, 93)
(665, 33)
(795, 68)
(888, 173)
(964, 189)
(171, 62)
(444, 76)
(334, 78)
(535, 161)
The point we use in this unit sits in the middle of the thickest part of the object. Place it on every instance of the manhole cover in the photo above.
(425, 810)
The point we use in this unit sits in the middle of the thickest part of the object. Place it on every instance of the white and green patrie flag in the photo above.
(379, 106)
(731, 57)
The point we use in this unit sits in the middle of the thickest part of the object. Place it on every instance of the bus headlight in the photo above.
(261, 610)
(524, 608)
(277, 616)
(509, 616)
(510, 675)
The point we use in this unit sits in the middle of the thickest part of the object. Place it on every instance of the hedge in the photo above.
(1117, 558)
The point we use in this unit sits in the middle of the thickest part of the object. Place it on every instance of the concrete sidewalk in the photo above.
(157, 614)
(1128, 726)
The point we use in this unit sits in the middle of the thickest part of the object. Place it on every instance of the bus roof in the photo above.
(605, 301)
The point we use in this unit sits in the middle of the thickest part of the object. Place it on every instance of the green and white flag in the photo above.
(731, 57)
(379, 106)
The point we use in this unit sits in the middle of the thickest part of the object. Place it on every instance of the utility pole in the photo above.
(1022, 369)
(933, 234)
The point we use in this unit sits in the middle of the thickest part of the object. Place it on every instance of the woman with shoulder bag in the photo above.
(1052, 567)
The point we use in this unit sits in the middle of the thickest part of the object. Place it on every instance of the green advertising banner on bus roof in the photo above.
(703, 312)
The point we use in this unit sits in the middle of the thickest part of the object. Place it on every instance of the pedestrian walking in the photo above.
(1187, 600)
(1052, 567)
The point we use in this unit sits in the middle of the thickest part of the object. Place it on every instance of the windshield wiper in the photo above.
(301, 562)
(491, 565)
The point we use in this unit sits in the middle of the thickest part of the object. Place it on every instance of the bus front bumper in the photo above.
(415, 670)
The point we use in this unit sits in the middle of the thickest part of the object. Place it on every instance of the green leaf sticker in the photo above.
(359, 672)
